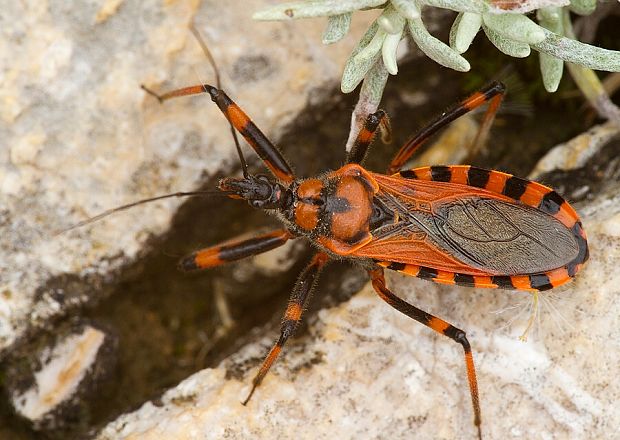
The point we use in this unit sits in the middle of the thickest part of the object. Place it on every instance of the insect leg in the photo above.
(437, 324)
(494, 92)
(234, 250)
(367, 134)
(292, 316)
(265, 149)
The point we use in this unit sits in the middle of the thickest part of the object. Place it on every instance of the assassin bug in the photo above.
(455, 224)
(458, 224)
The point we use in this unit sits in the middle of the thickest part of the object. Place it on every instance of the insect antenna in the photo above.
(218, 84)
(108, 212)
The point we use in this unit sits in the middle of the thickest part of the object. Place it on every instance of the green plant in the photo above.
(504, 24)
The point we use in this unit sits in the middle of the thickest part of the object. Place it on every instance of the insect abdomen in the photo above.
(539, 281)
(521, 190)
(507, 267)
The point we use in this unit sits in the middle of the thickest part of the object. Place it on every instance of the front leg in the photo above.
(366, 135)
(234, 250)
(265, 149)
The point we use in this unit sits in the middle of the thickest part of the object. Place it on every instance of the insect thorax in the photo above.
(333, 210)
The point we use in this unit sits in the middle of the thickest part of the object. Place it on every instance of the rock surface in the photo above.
(365, 371)
(48, 387)
(80, 136)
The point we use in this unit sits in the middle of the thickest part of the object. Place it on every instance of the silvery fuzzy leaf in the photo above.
(477, 6)
(464, 30)
(551, 68)
(576, 52)
(407, 8)
(435, 49)
(388, 51)
(515, 27)
(512, 48)
(582, 7)
(354, 69)
(373, 47)
(337, 28)
(391, 21)
(374, 84)
(314, 8)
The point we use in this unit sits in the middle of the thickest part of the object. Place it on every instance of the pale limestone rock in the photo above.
(63, 367)
(80, 135)
(365, 371)
(576, 152)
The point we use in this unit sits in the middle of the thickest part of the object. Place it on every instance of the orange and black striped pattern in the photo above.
(366, 135)
(522, 191)
(292, 315)
(436, 324)
(234, 250)
(494, 92)
(402, 221)
(265, 149)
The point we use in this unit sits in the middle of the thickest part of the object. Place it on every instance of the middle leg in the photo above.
(292, 317)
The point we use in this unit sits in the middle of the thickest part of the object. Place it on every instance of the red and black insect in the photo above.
(457, 224)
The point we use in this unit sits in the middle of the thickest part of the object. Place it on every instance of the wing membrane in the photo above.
(458, 228)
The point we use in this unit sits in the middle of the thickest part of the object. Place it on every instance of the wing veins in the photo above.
(491, 239)
(522, 232)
